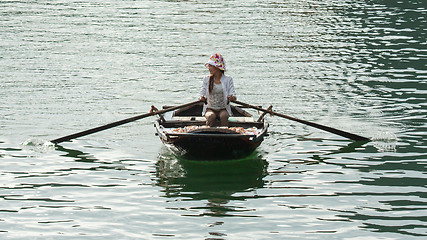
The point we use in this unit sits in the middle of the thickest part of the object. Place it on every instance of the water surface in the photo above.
(67, 66)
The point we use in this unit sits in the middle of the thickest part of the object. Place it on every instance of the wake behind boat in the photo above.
(184, 131)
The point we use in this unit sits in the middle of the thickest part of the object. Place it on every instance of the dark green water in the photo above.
(359, 66)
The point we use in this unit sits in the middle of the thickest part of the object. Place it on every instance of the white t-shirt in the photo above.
(216, 99)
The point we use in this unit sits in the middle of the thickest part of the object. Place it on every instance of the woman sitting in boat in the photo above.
(217, 92)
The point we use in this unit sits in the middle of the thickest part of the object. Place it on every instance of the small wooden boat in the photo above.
(184, 131)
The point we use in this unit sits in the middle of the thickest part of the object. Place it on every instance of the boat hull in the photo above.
(211, 147)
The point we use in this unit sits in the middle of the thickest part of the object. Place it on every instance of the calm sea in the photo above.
(67, 66)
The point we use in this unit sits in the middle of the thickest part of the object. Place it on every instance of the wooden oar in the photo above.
(118, 123)
(325, 128)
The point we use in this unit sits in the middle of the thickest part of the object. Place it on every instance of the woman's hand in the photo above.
(203, 99)
(231, 98)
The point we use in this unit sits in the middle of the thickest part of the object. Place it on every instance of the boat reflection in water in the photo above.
(218, 182)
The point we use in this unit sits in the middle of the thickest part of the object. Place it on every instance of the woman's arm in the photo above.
(231, 93)
(204, 89)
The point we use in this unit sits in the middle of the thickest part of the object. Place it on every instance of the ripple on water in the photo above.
(358, 66)
(38, 145)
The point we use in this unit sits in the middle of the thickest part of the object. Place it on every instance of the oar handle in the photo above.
(348, 135)
(118, 123)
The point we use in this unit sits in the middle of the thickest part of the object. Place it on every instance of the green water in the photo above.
(67, 66)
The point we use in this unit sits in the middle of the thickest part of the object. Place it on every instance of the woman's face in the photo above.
(213, 70)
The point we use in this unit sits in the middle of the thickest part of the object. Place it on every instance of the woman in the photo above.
(217, 92)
